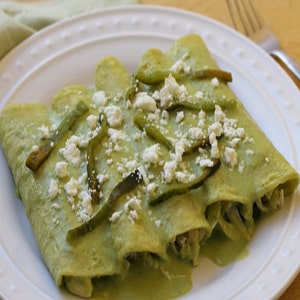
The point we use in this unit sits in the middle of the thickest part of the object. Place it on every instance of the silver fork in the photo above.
(247, 20)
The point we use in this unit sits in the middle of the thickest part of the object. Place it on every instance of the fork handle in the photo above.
(289, 62)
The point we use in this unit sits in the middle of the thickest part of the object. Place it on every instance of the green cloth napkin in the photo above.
(20, 20)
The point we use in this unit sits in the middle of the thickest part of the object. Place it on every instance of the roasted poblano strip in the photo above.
(39, 155)
(213, 73)
(125, 186)
(177, 189)
(152, 131)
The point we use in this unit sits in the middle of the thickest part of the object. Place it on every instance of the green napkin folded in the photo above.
(20, 20)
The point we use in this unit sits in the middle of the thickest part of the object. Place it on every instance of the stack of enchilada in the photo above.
(124, 183)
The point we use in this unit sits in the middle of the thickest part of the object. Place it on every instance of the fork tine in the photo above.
(256, 20)
(244, 16)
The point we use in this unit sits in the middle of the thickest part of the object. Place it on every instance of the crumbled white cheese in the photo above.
(179, 117)
(180, 66)
(216, 128)
(169, 170)
(234, 142)
(195, 133)
(132, 204)
(165, 114)
(115, 135)
(158, 223)
(92, 121)
(114, 115)
(215, 82)
(102, 178)
(71, 187)
(115, 216)
(145, 102)
(249, 151)
(121, 170)
(202, 115)
(169, 91)
(230, 156)
(53, 189)
(184, 177)
(214, 150)
(183, 94)
(35, 148)
(44, 131)
(156, 95)
(219, 114)
(83, 178)
(151, 188)
(180, 147)
(199, 95)
(55, 205)
(151, 154)
(72, 154)
(144, 175)
(85, 206)
(204, 163)
(61, 169)
(131, 165)
(99, 98)
(133, 215)
(229, 128)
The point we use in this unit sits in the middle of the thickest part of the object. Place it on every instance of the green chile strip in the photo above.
(182, 104)
(203, 143)
(152, 131)
(37, 157)
(91, 164)
(123, 187)
(212, 73)
(178, 189)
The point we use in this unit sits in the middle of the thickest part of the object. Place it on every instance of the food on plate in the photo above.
(127, 183)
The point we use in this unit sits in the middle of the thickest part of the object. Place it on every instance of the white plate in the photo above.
(67, 53)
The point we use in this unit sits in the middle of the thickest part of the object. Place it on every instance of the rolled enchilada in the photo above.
(135, 175)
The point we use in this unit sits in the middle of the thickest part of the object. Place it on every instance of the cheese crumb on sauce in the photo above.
(145, 102)
(61, 169)
(115, 216)
(71, 152)
(230, 156)
(169, 170)
(171, 91)
(151, 188)
(179, 117)
(180, 66)
(53, 189)
(158, 223)
(92, 121)
(215, 82)
(85, 206)
(99, 98)
(151, 154)
(44, 131)
(114, 115)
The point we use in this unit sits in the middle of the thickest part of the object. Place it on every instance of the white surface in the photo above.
(67, 53)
